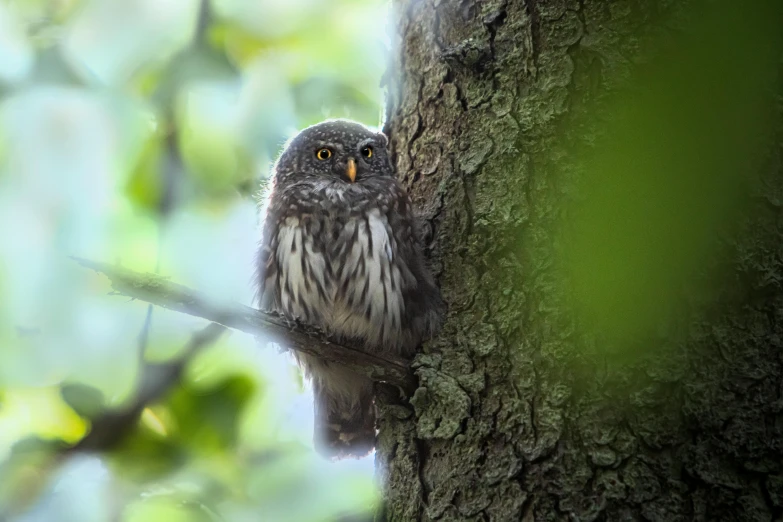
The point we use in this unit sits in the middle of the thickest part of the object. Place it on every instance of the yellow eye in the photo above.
(323, 154)
(367, 152)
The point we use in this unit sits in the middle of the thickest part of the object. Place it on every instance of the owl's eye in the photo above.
(323, 154)
(367, 152)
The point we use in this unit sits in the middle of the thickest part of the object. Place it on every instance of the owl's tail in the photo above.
(344, 418)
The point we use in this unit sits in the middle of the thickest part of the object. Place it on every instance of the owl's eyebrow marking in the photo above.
(328, 144)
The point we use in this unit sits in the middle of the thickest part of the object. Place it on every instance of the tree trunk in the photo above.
(523, 412)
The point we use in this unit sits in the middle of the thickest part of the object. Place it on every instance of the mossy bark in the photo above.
(509, 421)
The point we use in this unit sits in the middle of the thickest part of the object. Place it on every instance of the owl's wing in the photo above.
(424, 306)
(267, 269)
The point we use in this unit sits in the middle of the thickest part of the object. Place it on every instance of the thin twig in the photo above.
(202, 23)
(160, 291)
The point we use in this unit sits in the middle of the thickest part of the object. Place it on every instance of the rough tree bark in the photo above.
(481, 96)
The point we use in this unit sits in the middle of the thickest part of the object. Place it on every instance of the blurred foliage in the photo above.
(138, 131)
(666, 185)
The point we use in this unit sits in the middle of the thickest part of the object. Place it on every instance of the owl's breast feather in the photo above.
(342, 275)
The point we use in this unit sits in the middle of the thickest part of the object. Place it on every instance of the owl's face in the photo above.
(337, 151)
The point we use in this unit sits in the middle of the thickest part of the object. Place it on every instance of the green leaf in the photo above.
(84, 400)
(671, 175)
(206, 420)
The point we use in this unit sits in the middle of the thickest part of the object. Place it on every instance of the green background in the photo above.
(130, 134)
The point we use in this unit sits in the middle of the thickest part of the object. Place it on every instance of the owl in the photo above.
(339, 250)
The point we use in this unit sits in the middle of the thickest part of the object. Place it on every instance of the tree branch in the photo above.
(160, 291)
(109, 427)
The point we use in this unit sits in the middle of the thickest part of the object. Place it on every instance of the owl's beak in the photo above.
(350, 170)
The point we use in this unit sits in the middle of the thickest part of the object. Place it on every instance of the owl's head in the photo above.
(337, 150)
